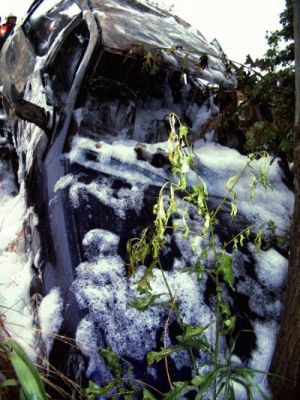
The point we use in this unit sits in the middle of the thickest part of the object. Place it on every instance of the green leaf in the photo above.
(234, 210)
(207, 222)
(95, 390)
(156, 356)
(137, 250)
(27, 380)
(230, 184)
(244, 384)
(191, 332)
(21, 394)
(143, 303)
(199, 269)
(185, 162)
(281, 240)
(112, 361)
(225, 309)
(183, 131)
(182, 181)
(150, 61)
(8, 382)
(248, 375)
(252, 186)
(161, 220)
(228, 393)
(157, 243)
(203, 382)
(241, 239)
(264, 170)
(127, 394)
(225, 267)
(174, 157)
(27, 374)
(194, 243)
(144, 285)
(172, 203)
(198, 343)
(235, 243)
(200, 380)
(248, 232)
(184, 223)
(258, 241)
(229, 324)
(178, 391)
(228, 320)
(204, 253)
(200, 194)
(271, 226)
(147, 395)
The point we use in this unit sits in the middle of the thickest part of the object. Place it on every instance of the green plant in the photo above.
(19, 376)
(122, 385)
(221, 374)
(27, 379)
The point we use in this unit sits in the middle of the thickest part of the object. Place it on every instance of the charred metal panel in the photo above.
(17, 62)
(130, 26)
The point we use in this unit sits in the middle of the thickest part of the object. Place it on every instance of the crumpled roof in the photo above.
(129, 24)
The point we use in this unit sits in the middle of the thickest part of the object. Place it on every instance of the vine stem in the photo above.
(215, 213)
(237, 235)
(218, 313)
(177, 312)
(166, 332)
(217, 336)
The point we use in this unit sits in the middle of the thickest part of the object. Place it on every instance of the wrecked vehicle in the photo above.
(88, 106)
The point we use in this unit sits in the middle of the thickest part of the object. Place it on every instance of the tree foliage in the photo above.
(278, 54)
(259, 114)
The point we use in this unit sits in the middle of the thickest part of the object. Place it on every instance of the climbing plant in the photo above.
(219, 375)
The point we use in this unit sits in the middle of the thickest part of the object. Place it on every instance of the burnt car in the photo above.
(87, 87)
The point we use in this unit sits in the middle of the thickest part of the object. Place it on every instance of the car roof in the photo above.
(127, 25)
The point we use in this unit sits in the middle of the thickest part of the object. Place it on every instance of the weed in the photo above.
(221, 376)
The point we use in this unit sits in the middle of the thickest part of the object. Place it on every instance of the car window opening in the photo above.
(47, 21)
(126, 100)
(60, 74)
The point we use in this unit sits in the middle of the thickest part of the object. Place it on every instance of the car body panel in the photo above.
(176, 41)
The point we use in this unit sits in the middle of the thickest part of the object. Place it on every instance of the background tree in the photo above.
(259, 114)
(286, 359)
